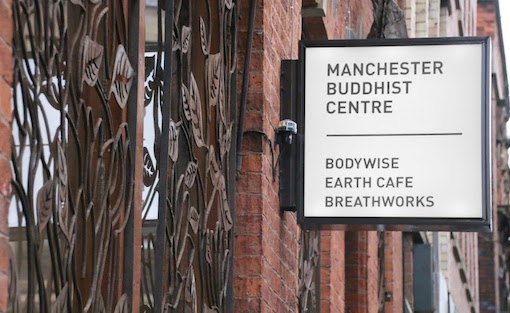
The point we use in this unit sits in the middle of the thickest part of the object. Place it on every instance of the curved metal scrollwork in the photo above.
(187, 260)
(72, 165)
(73, 162)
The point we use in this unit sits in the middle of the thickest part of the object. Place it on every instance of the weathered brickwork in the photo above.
(361, 271)
(266, 245)
(332, 271)
(393, 272)
(407, 254)
(493, 257)
(6, 67)
(462, 270)
(434, 14)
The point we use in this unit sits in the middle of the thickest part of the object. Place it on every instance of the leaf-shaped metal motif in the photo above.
(195, 102)
(208, 247)
(195, 105)
(194, 219)
(60, 305)
(63, 223)
(175, 40)
(225, 209)
(122, 77)
(149, 172)
(92, 57)
(62, 164)
(186, 102)
(191, 173)
(213, 168)
(225, 141)
(203, 37)
(45, 205)
(190, 295)
(185, 38)
(173, 141)
(214, 78)
(123, 305)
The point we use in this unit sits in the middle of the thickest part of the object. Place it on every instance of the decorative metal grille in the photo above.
(74, 161)
(309, 271)
(71, 158)
(189, 89)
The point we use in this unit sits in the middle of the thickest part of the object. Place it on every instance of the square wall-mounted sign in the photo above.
(396, 132)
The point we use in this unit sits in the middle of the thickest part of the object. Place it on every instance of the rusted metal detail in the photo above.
(309, 271)
(71, 159)
(190, 107)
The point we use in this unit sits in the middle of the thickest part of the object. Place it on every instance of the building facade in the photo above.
(129, 124)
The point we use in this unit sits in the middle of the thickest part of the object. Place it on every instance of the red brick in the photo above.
(5, 142)
(5, 101)
(247, 287)
(250, 183)
(247, 305)
(248, 265)
(4, 255)
(6, 32)
(248, 245)
(6, 68)
(4, 294)
(249, 224)
(6, 64)
(393, 271)
(252, 163)
(5, 175)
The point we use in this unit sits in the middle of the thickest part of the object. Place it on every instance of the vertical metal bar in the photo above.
(231, 185)
(246, 81)
(288, 158)
(160, 245)
(300, 142)
(133, 233)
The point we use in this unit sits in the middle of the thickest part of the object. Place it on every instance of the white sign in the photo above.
(396, 131)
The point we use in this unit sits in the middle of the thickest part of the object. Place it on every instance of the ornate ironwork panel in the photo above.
(309, 271)
(188, 169)
(71, 159)
(72, 216)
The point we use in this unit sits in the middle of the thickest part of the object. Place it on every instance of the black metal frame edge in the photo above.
(483, 224)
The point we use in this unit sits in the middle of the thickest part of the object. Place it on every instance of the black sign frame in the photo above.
(482, 224)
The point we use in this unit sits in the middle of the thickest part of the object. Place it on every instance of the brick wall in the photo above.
(407, 252)
(266, 245)
(434, 15)
(462, 273)
(393, 272)
(332, 273)
(488, 244)
(361, 272)
(340, 16)
(422, 18)
(489, 251)
(6, 67)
